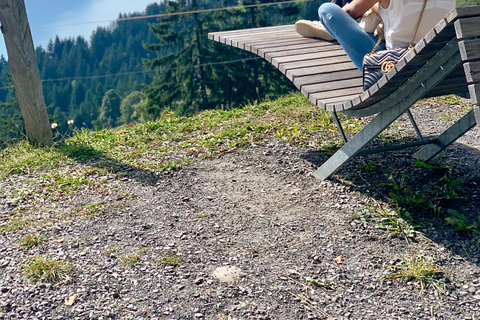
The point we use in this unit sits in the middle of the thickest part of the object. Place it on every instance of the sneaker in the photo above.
(312, 29)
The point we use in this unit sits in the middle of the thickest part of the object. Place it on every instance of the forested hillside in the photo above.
(136, 69)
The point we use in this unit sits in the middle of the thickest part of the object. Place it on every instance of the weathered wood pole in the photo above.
(21, 56)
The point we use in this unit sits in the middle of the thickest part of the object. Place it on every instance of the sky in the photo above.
(53, 13)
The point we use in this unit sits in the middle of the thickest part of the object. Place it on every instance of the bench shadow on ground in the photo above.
(89, 156)
(440, 198)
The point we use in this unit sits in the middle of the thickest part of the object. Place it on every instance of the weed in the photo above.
(325, 283)
(370, 166)
(171, 260)
(48, 270)
(31, 240)
(423, 270)
(129, 260)
(90, 210)
(16, 224)
(397, 222)
(462, 223)
(110, 250)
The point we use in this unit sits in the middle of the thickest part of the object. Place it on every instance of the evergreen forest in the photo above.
(137, 69)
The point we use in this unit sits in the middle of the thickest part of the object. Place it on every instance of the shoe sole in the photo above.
(307, 30)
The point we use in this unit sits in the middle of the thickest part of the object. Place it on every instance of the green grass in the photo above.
(47, 270)
(31, 240)
(17, 224)
(171, 260)
(129, 259)
(171, 143)
(423, 270)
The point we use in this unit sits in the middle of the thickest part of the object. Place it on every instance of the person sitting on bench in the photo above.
(399, 19)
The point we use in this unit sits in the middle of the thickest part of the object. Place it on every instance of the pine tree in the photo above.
(110, 110)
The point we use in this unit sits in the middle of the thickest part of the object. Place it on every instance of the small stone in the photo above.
(199, 281)
(228, 274)
(472, 289)
(198, 315)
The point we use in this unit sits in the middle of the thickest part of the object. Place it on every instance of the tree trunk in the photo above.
(21, 56)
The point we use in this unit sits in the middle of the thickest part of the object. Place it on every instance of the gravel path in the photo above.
(259, 212)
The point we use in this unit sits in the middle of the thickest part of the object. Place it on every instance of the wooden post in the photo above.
(21, 56)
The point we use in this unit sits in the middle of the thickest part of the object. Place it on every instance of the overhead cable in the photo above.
(140, 71)
(169, 14)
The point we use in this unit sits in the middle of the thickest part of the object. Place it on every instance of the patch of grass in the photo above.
(462, 223)
(130, 259)
(25, 158)
(173, 141)
(31, 240)
(17, 224)
(421, 269)
(369, 166)
(47, 270)
(90, 210)
(110, 250)
(324, 283)
(171, 260)
(395, 221)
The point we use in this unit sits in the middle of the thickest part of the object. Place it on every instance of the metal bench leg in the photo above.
(340, 128)
(458, 129)
(360, 140)
(414, 124)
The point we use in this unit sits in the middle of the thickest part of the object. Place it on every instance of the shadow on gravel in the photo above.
(89, 156)
(440, 199)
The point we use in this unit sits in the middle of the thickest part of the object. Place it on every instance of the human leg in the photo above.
(353, 39)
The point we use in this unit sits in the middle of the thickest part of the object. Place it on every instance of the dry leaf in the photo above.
(62, 282)
(60, 240)
(70, 301)
(338, 260)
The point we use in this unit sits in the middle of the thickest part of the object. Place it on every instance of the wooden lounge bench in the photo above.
(445, 61)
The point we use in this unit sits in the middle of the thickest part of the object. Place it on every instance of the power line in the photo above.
(169, 14)
(140, 71)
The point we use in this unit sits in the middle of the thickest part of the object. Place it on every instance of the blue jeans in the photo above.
(356, 42)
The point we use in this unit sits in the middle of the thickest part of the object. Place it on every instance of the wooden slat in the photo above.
(262, 49)
(467, 27)
(472, 71)
(474, 90)
(469, 49)
(352, 83)
(216, 35)
(280, 60)
(306, 82)
(279, 43)
(294, 52)
(299, 74)
(337, 103)
(462, 12)
(335, 94)
(287, 67)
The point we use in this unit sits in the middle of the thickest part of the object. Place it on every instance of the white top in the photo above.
(401, 17)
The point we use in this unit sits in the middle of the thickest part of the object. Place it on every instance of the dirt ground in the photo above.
(259, 212)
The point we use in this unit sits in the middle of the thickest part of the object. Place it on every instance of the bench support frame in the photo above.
(446, 60)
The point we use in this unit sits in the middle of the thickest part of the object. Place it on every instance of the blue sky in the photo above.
(42, 13)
